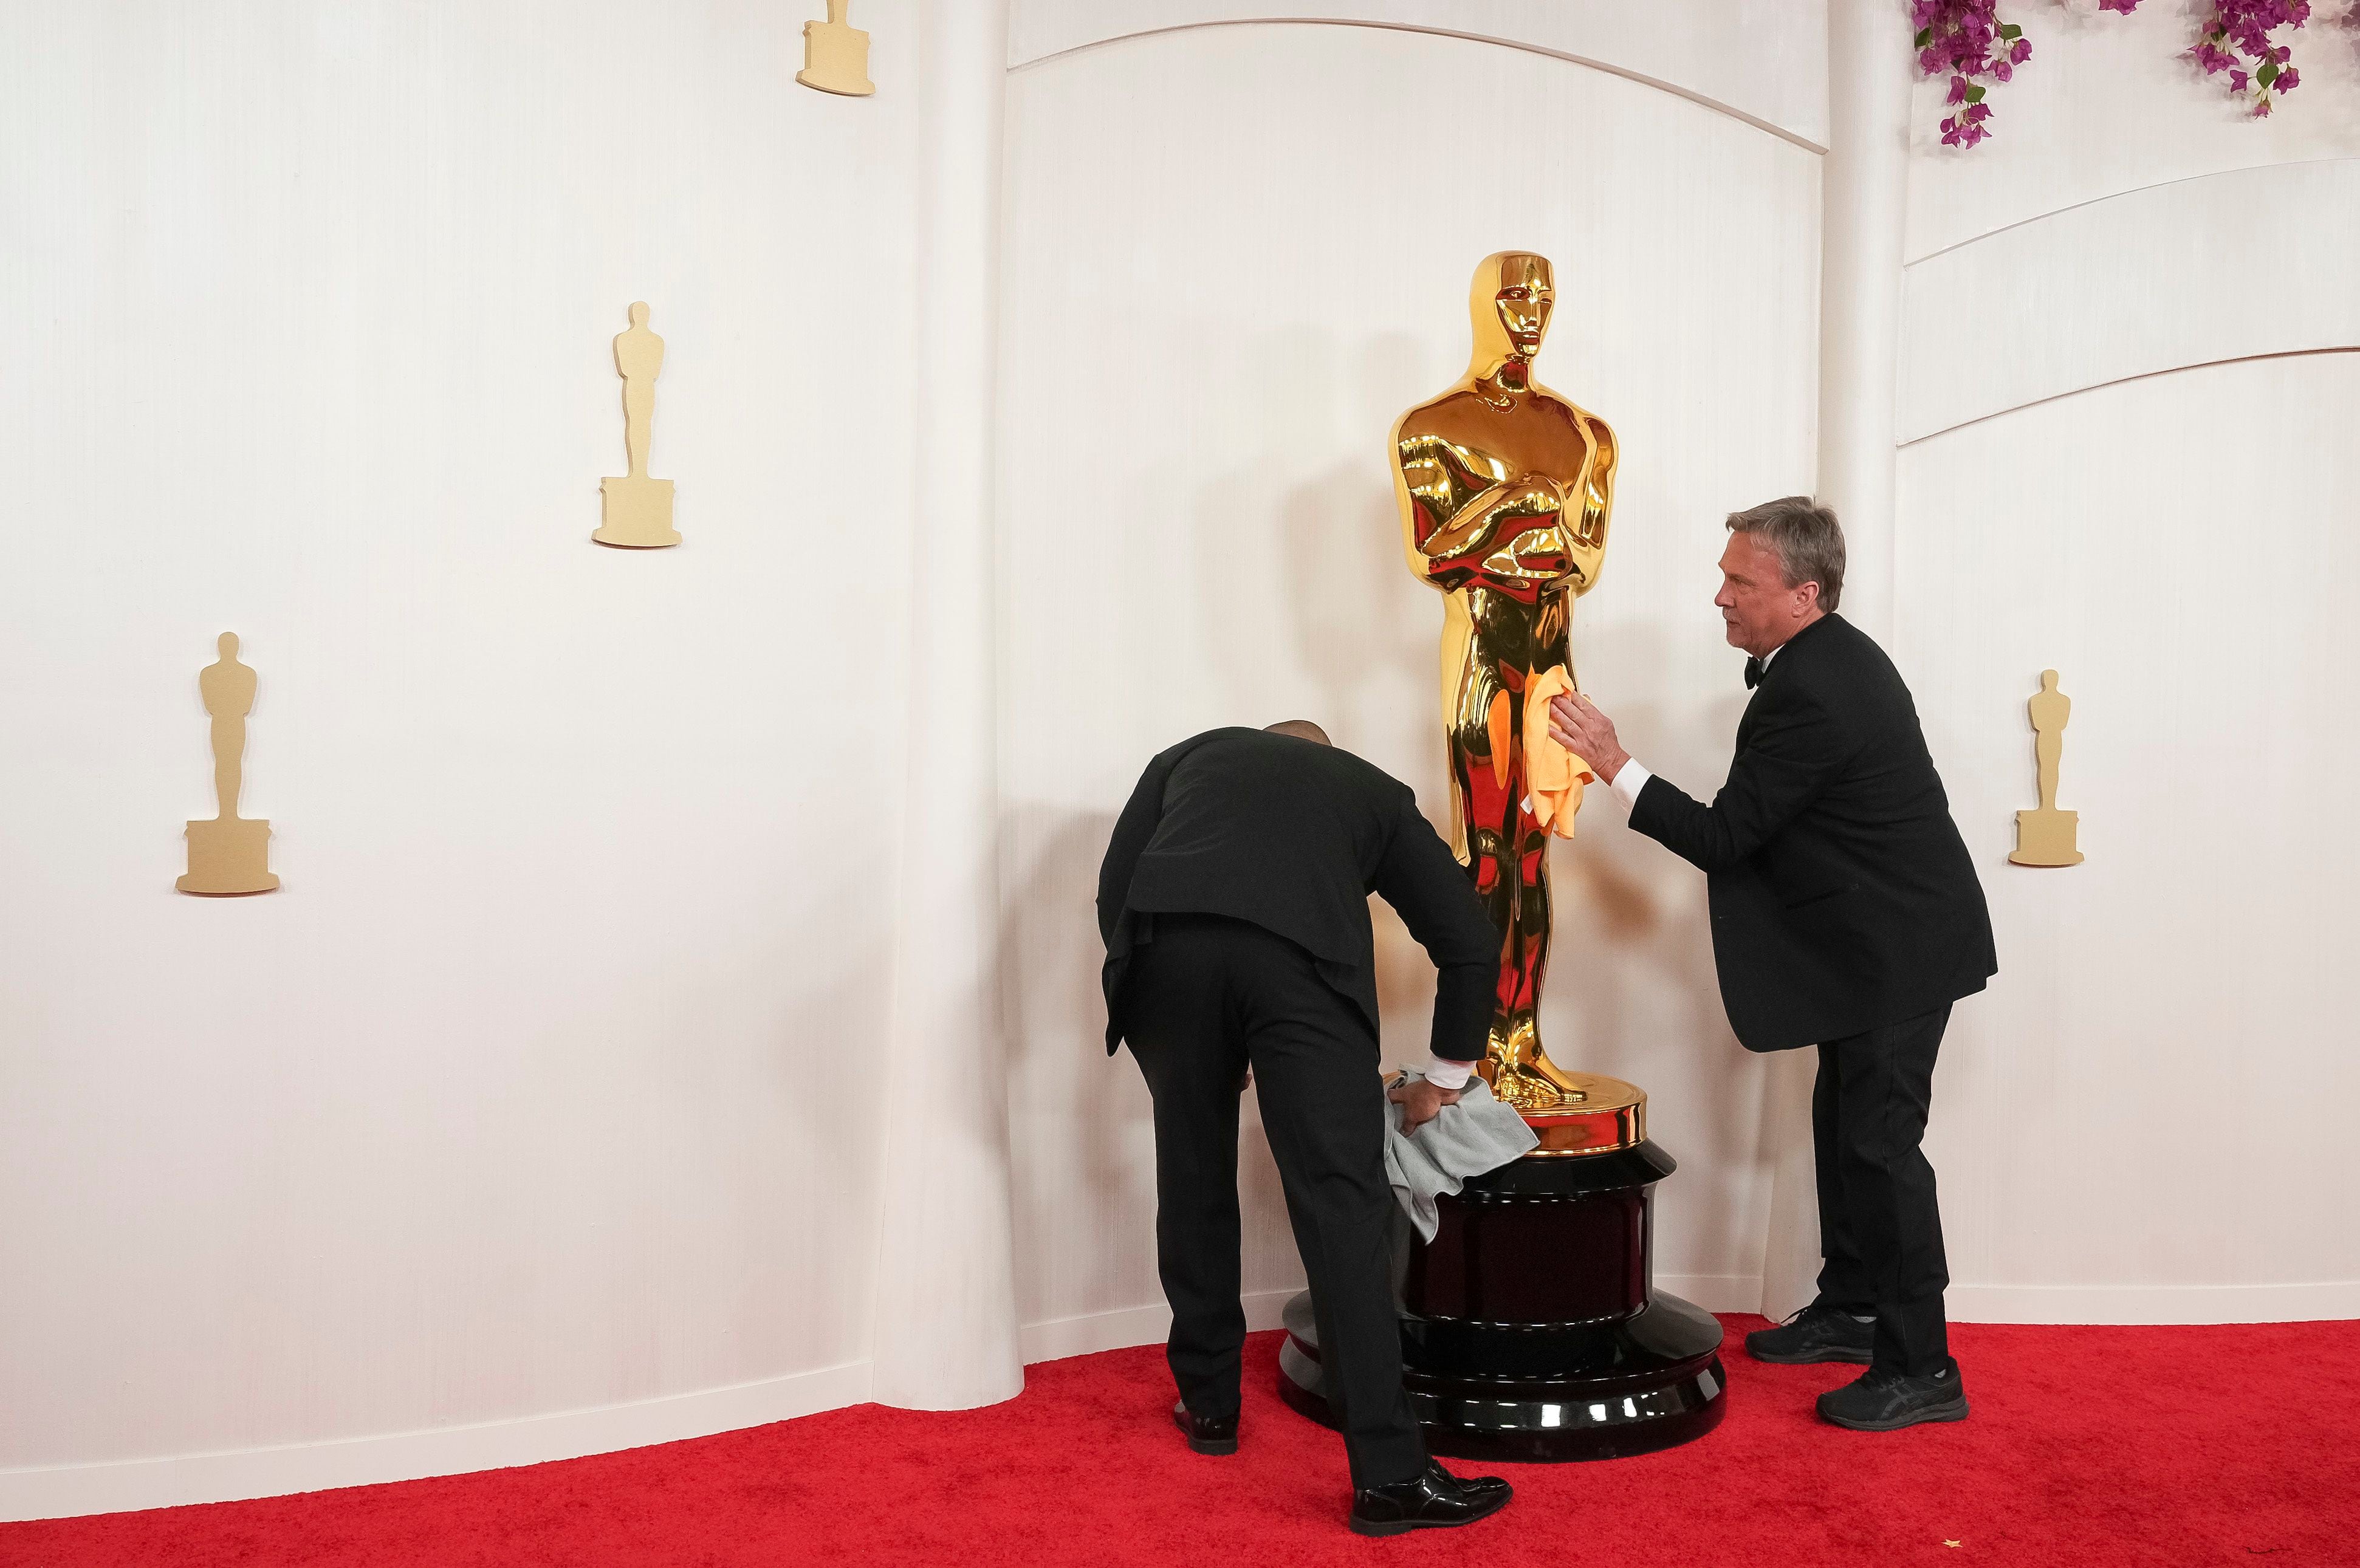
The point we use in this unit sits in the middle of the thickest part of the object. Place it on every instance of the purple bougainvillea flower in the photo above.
(2235, 38)
(1966, 41)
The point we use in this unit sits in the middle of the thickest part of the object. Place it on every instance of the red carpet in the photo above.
(2160, 1447)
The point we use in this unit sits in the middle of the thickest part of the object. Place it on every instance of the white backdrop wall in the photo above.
(1763, 61)
(2102, 472)
(1234, 254)
(1178, 177)
(523, 1120)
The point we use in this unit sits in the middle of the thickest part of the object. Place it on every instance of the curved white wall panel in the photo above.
(1235, 255)
(2147, 1118)
(2110, 103)
(2257, 261)
(1763, 60)
(525, 1102)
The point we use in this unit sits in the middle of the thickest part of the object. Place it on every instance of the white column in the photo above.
(1864, 191)
(1863, 208)
(946, 1312)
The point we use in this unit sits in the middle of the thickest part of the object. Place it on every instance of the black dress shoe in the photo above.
(1435, 1500)
(1815, 1334)
(1887, 1402)
(1207, 1436)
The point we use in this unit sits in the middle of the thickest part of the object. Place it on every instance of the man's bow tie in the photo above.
(1752, 673)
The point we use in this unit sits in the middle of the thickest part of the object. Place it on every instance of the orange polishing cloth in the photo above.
(1554, 775)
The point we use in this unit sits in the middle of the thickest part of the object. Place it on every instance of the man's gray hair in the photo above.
(1807, 538)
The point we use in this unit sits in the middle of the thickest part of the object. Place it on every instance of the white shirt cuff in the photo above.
(1444, 1074)
(1631, 780)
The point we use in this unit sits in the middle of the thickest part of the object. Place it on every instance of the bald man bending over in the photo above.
(1234, 905)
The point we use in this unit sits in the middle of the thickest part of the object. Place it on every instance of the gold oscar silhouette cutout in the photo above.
(836, 55)
(637, 514)
(229, 854)
(2045, 836)
(1505, 489)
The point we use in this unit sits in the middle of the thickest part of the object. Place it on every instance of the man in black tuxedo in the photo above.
(1845, 914)
(1234, 903)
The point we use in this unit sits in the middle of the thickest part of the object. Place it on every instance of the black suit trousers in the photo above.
(1205, 997)
(1880, 1229)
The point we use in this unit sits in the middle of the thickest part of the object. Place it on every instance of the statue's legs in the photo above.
(639, 423)
(229, 763)
(2048, 751)
(1506, 851)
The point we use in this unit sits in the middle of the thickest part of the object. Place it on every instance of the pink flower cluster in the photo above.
(1967, 38)
(2236, 39)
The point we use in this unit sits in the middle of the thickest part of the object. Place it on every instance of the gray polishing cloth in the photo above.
(1475, 1135)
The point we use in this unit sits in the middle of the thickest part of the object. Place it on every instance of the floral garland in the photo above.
(1966, 39)
(2244, 27)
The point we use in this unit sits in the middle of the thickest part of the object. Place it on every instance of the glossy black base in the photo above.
(1654, 1400)
(1530, 1327)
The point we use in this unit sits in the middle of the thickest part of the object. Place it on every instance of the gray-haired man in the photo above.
(1845, 914)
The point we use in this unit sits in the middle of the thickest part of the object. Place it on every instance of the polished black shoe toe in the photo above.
(1886, 1401)
(1207, 1436)
(1435, 1500)
(1815, 1334)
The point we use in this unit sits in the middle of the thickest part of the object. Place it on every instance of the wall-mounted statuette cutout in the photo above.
(2046, 836)
(229, 854)
(836, 55)
(637, 511)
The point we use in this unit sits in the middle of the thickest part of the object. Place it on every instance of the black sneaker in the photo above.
(1815, 1334)
(1887, 1402)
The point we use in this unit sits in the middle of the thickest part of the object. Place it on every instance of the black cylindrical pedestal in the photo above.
(1531, 1329)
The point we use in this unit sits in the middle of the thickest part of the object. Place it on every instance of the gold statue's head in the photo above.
(1511, 299)
(227, 643)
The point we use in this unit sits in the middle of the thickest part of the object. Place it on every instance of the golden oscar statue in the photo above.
(635, 511)
(1531, 1328)
(228, 854)
(1506, 490)
(2046, 836)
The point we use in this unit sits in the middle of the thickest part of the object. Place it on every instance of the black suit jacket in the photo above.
(1842, 896)
(1294, 836)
